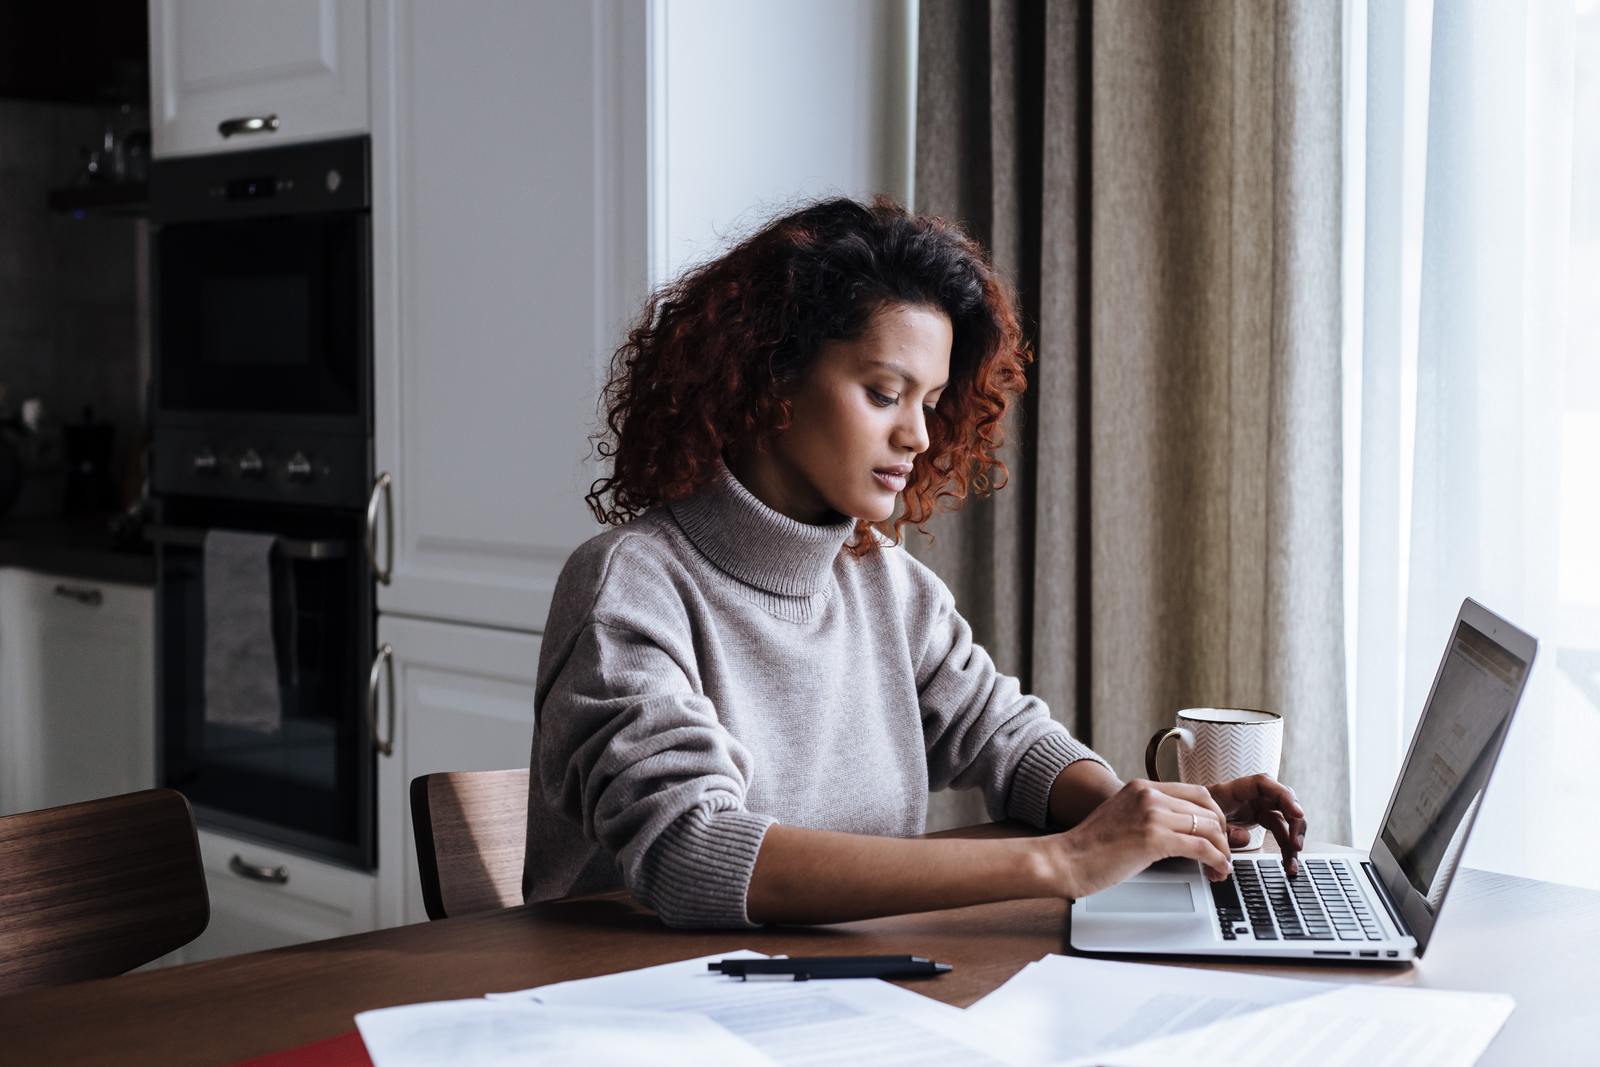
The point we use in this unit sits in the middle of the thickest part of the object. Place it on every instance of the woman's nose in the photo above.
(911, 433)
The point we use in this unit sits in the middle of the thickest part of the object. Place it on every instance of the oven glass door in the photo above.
(302, 773)
(264, 315)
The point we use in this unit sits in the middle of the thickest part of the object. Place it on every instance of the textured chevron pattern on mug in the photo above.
(1220, 744)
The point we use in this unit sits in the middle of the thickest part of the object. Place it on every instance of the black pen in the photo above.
(804, 968)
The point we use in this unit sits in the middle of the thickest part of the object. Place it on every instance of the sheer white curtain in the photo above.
(1472, 359)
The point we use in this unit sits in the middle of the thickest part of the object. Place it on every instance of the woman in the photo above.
(747, 687)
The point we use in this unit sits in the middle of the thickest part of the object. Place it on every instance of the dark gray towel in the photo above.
(241, 660)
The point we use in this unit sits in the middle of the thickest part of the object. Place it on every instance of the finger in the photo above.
(1245, 798)
(1275, 822)
(1194, 794)
(1272, 794)
(1216, 861)
(1197, 822)
(1238, 836)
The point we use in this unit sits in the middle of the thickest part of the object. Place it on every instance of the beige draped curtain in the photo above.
(1160, 182)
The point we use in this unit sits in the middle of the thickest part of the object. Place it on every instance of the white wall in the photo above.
(840, 72)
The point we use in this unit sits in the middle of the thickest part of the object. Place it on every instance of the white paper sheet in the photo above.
(797, 1024)
(1064, 1007)
(479, 1033)
(1353, 1026)
(1071, 1010)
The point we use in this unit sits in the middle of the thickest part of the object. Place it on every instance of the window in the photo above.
(1472, 364)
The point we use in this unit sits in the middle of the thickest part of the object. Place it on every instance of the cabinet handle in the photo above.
(272, 875)
(87, 597)
(382, 663)
(381, 490)
(248, 124)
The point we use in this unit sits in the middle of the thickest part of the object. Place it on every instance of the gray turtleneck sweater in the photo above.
(714, 667)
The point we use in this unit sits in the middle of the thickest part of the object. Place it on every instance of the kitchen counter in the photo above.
(80, 548)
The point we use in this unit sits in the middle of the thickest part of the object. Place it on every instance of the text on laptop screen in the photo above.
(1456, 744)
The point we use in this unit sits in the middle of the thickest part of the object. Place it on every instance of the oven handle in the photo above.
(270, 875)
(248, 124)
(88, 597)
(383, 488)
(288, 547)
(383, 662)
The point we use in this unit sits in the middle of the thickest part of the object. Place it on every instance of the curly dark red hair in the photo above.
(713, 361)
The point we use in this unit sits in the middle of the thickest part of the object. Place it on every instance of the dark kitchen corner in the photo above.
(74, 329)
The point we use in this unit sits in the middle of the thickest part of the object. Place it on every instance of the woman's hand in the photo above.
(1140, 824)
(1263, 799)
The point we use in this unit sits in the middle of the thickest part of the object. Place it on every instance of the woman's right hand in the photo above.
(1141, 823)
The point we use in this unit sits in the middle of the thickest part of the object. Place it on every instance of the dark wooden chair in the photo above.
(94, 889)
(471, 829)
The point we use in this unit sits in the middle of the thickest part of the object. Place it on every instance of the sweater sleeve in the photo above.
(980, 729)
(628, 749)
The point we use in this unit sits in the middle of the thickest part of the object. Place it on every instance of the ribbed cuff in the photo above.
(697, 873)
(1037, 771)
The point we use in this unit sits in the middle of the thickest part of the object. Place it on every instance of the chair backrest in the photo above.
(94, 889)
(471, 829)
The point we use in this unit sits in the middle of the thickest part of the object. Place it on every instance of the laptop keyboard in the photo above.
(1321, 904)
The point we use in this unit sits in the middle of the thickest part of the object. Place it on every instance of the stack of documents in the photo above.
(1071, 1010)
(478, 1032)
(682, 1013)
(1060, 1010)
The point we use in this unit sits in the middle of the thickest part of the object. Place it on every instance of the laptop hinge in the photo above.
(1383, 898)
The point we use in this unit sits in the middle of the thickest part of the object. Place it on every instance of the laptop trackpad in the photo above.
(1164, 898)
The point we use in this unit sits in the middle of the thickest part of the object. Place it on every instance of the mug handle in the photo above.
(1154, 747)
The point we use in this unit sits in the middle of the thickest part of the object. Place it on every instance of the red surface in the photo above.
(346, 1050)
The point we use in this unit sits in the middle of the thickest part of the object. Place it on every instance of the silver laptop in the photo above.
(1380, 907)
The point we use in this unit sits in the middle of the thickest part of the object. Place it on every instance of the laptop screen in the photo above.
(1456, 745)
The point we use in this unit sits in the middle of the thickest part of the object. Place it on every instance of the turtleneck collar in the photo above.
(756, 544)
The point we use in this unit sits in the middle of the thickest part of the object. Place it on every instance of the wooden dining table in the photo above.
(1538, 941)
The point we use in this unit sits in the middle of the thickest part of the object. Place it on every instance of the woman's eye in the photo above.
(880, 399)
(930, 410)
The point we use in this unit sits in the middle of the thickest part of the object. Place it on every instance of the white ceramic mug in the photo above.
(1221, 744)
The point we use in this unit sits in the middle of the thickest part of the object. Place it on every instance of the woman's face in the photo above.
(860, 418)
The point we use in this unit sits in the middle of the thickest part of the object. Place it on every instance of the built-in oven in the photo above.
(261, 468)
(302, 773)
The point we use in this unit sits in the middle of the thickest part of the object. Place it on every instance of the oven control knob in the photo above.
(298, 468)
(205, 462)
(250, 465)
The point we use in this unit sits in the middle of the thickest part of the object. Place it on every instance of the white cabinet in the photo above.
(77, 690)
(755, 106)
(463, 701)
(263, 897)
(521, 213)
(301, 62)
(509, 246)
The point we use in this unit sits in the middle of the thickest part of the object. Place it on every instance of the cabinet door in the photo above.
(77, 690)
(509, 249)
(263, 897)
(815, 116)
(463, 701)
(211, 61)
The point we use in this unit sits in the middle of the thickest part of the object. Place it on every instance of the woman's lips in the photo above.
(895, 483)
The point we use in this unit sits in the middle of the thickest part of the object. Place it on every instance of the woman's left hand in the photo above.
(1263, 799)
